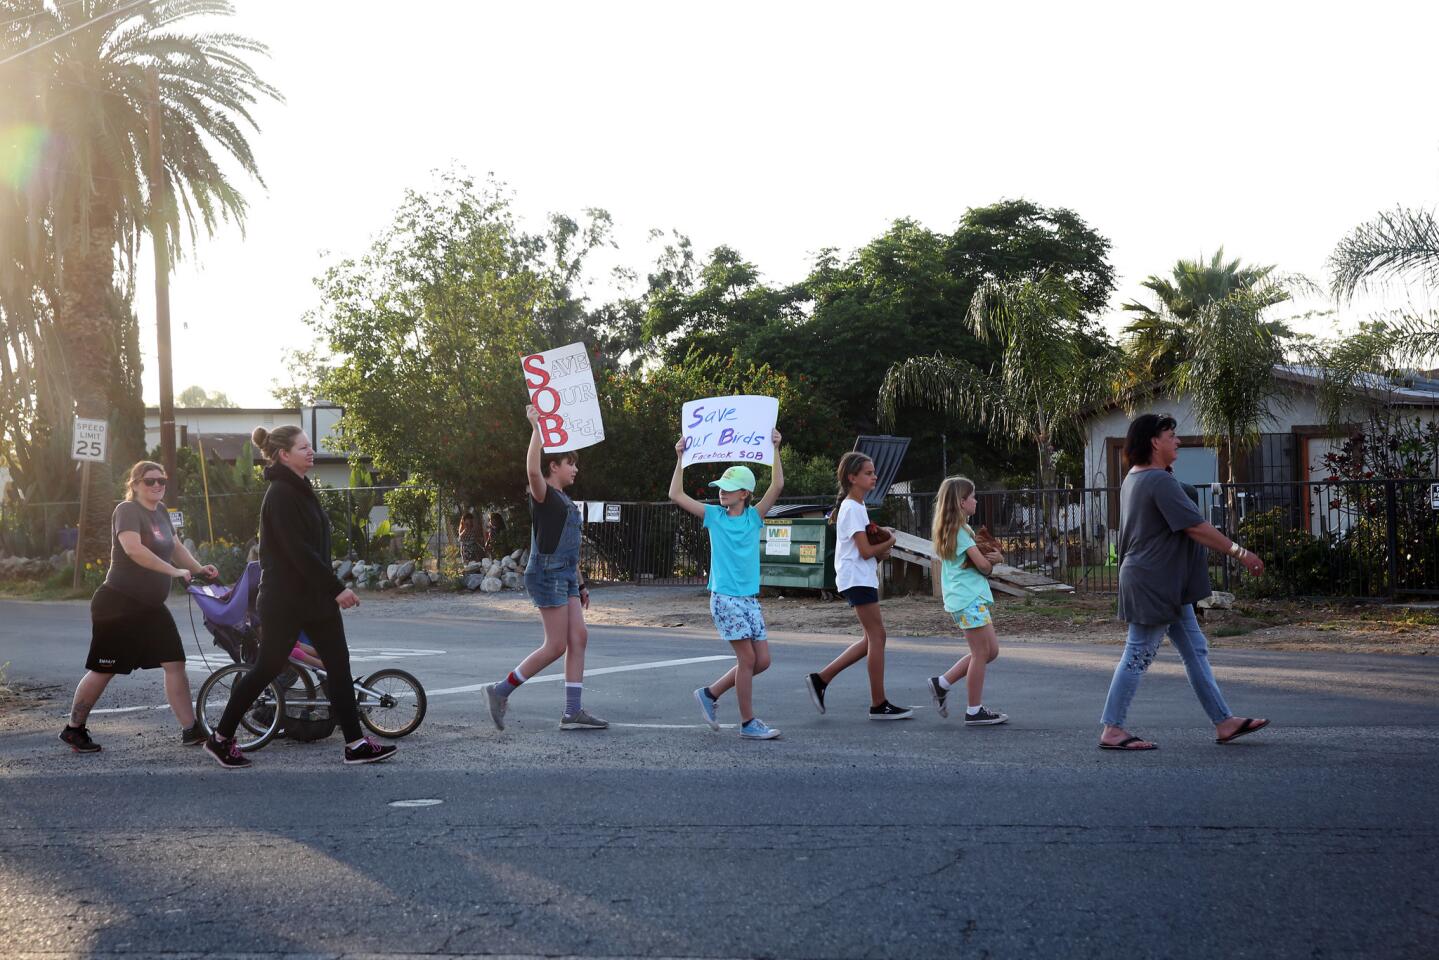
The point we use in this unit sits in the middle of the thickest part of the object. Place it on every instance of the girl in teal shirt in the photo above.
(965, 569)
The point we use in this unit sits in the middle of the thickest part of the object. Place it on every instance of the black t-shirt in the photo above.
(548, 518)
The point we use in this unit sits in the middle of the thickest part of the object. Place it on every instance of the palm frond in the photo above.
(1396, 243)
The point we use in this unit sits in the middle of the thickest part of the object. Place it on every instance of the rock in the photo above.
(516, 555)
(335, 564)
(387, 584)
(511, 580)
(407, 588)
(365, 585)
(420, 579)
(344, 569)
(406, 570)
(391, 570)
(491, 585)
(494, 569)
(475, 566)
(1218, 600)
(508, 563)
(473, 581)
(525, 558)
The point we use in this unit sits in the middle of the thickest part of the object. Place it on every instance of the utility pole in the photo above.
(158, 200)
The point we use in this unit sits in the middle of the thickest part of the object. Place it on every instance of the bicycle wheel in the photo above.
(261, 719)
(391, 703)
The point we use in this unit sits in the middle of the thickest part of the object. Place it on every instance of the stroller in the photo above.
(391, 703)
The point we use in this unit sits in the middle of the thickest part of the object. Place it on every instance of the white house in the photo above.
(1291, 449)
(223, 430)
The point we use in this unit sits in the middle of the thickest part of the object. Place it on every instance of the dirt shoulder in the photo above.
(1270, 625)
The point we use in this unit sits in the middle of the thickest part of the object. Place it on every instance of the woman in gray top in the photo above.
(1163, 571)
(129, 625)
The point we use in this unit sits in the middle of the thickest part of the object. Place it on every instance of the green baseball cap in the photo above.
(736, 478)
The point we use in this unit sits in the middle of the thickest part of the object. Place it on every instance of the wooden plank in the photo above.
(1013, 581)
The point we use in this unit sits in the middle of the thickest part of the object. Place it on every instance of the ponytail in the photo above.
(849, 465)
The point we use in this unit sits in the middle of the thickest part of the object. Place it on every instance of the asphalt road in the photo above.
(658, 838)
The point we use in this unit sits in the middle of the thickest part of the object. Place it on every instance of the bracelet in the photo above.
(1235, 550)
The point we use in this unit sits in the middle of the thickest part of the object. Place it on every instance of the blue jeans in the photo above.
(1139, 650)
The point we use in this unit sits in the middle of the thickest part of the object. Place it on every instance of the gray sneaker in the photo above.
(498, 704)
(939, 695)
(582, 721)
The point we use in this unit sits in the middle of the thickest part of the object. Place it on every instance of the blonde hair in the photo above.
(271, 443)
(849, 465)
(949, 516)
(137, 473)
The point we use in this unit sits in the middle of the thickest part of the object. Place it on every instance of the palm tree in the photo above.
(1045, 379)
(1395, 244)
(1228, 370)
(1159, 337)
(84, 75)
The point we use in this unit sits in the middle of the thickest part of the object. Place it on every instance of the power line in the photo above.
(76, 29)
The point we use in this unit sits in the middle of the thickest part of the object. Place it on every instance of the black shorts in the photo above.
(860, 596)
(127, 635)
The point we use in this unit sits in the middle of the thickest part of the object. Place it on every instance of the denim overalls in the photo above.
(552, 578)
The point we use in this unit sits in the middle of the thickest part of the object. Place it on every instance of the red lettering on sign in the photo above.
(535, 364)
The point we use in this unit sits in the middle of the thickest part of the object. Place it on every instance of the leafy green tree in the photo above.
(642, 422)
(1044, 381)
(87, 92)
(425, 333)
(198, 397)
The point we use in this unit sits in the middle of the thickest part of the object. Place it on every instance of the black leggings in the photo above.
(278, 632)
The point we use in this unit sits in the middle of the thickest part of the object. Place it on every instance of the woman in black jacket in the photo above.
(298, 592)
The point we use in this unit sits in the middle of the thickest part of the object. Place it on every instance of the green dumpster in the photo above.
(797, 553)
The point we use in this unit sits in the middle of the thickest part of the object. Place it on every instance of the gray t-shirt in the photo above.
(156, 535)
(1160, 568)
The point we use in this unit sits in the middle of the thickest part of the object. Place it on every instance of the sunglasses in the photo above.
(155, 481)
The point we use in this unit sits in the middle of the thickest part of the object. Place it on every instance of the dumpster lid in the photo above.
(887, 452)
(789, 511)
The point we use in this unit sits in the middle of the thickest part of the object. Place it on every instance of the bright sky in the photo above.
(781, 128)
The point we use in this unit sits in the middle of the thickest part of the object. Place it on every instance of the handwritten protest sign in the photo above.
(562, 388)
(729, 429)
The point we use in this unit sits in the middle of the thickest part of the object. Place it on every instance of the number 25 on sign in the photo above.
(87, 441)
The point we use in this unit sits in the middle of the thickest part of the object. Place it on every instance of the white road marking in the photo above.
(675, 726)
(473, 687)
(550, 677)
(214, 660)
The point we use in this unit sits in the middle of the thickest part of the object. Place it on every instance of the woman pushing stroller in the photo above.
(299, 592)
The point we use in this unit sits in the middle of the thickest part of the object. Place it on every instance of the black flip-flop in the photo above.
(1125, 745)
(1248, 726)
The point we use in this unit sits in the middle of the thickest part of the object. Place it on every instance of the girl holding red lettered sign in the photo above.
(553, 580)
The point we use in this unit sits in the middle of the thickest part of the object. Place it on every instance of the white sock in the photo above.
(356, 743)
(943, 683)
(971, 711)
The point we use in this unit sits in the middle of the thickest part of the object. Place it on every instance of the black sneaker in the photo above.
(226, 752)
(79, 739)
(984, 718)
(193, 735)
(938, 695)
(814, 686)
(888, 711)
(370, 750)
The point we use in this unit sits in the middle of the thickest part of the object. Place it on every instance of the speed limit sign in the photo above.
(87, 442)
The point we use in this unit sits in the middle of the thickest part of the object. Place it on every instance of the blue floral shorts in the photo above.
(974, 616)
(737, 618)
